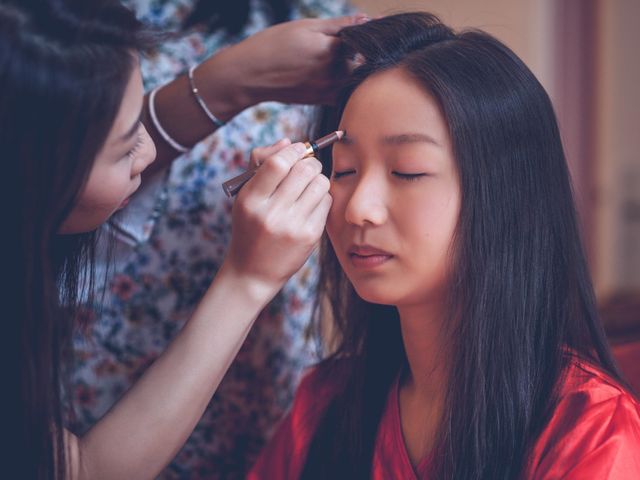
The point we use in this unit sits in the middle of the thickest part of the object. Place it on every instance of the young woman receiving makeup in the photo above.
(465, 343)
(75, 150)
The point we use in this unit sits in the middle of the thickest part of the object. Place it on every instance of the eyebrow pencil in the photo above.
(232, 186)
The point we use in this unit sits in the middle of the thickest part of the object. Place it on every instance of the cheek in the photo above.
(104, 191)
(434, 228)
(100, 196)
(92, 209)
(438, 209)
(436, 223)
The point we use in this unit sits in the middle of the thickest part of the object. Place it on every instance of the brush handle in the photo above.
(232, 187)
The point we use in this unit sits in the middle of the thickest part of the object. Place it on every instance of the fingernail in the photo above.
(300, 148)
(275, 144)
(361, 18)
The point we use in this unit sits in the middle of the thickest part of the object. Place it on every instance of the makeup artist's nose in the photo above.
(146, 156)
(367, 202)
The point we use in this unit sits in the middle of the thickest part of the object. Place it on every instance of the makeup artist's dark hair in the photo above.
(233, 16)
(64, 67)
(520, 299)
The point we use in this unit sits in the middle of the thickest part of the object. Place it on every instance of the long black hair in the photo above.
(64, 67)
(520, 300)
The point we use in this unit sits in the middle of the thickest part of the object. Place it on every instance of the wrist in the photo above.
(222, 84)
(256, 291)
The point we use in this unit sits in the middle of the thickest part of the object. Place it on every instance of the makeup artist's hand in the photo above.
(292, 62)
(278, 217)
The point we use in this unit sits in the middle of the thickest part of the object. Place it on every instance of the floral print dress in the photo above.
(170, 241)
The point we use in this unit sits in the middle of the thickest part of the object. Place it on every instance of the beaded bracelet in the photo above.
(163, 133)
(216, 121)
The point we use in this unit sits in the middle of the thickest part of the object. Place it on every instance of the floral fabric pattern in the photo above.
(161, 272)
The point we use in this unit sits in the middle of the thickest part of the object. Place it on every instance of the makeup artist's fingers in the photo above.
(272, 171)
(260, 154)
(271, 239)
(331, 26)
(300, 176)
(313, 194)
(316, 220)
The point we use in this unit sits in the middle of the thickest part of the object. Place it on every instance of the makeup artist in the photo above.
(70, 101)
(172, 236)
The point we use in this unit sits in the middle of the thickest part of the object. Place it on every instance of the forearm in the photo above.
(219, 80)
(146, 429)
(275, 228)
(292, 62)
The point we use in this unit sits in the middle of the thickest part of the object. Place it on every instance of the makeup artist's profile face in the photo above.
(395, 189)
(115, 174)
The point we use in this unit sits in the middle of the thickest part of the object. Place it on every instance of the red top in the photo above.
(594, 433)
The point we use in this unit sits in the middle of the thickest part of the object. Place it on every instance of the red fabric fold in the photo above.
(594, 433)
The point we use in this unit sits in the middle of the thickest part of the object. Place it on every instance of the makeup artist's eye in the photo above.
(338, 175)
(409, 176)
(131, 154)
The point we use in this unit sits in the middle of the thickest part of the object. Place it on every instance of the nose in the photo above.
(146, 156)
(367, 202)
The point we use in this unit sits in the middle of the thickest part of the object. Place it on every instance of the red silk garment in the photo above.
(593, 434)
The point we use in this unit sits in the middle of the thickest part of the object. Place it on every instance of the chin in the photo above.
(376, 294)
(79, 228)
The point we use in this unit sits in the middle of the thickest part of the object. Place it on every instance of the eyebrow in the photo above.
(399, 139)
(131, 132)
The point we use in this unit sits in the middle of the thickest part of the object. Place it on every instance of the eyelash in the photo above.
(337, 175)
(140, 140)
(409, 177)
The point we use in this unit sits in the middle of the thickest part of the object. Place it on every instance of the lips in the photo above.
(366, 256)
(125, 202)
(128, 199)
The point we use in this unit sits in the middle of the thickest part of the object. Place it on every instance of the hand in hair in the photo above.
(292, 62)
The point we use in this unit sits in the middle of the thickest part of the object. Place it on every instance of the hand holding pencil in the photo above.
(279, 214)
(232, 186)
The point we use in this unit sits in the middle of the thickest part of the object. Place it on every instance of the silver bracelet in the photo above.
(216, 121)
(163, 133)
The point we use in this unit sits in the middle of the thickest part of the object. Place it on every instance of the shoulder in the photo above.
(587, 389)
(286, 452)
(594, 429)
(319, 386)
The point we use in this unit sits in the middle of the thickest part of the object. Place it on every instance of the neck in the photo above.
(422, 335)
(422, 393)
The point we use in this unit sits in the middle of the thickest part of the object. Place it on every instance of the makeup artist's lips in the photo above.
(365, 256)
(126, 201)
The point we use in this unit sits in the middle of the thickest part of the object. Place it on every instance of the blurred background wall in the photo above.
(586, 53)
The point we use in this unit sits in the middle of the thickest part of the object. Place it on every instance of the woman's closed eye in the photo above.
(402, 175)
(342, 173)
(409, 176)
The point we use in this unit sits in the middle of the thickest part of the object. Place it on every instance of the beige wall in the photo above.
(618, 130)
(524, 25)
